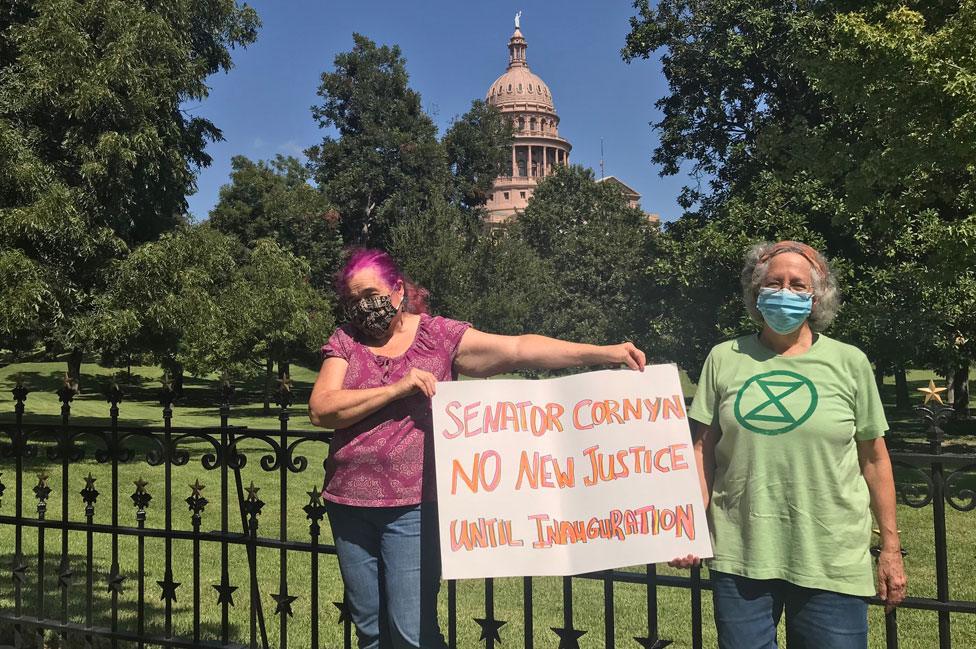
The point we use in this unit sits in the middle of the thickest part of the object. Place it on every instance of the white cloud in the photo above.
(291, 147)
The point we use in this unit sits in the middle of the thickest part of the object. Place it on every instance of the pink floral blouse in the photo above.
(387, 459)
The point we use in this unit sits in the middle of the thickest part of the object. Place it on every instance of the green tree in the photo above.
(598, 248)
(479, 149)
(197, 301)
(97, 153)
(513, 288)
(162, 289)
(693, 282)
(269, 313)
(435, 248)
(386, 162)
(871, 105)
(274, 200)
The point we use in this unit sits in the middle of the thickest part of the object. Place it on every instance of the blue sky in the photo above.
(454, 50)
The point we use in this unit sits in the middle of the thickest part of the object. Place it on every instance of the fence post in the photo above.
(19, 568)
(935, 416)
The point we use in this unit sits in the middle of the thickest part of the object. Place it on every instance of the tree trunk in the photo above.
(879, 375)
(960, 391)
(902, 399)
(74, 365)
(177, 379)
(268, 371)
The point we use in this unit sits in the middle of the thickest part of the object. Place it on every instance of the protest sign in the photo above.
(566, 475)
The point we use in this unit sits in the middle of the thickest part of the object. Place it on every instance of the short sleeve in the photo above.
(337, 346)
(869, 417)
(453, 332)
(704, 407)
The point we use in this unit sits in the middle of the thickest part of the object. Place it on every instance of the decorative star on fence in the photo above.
(283, 397)
(20, 392)
(169, 588)
(115, 579)
(69, 389)
(568, 638)
(283, 603)
(489, 628)
(315, 509)
(932, 393)
(343, 611)
(19, 571)
(41, 490)
(114, 394)
(225, 593)
(195, 501)
(141, 497)
(252, 491)
(64, 573)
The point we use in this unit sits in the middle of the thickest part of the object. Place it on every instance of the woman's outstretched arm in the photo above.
(482, 354)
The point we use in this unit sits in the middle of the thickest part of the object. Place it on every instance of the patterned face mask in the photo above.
(372, 315)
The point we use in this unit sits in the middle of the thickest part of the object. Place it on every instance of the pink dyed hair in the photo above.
(363, 258)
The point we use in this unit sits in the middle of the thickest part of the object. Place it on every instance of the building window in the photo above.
(521, 124)
(506, 196)
(530, 87)
(520, 87)
(532, 124)
(510, 87)
(521, 194)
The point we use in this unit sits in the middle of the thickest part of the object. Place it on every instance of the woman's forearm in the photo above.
(540, 352)
(881, 487)
(343, 408)
(705, 440)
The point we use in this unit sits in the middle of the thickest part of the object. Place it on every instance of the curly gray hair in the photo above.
(826, 296)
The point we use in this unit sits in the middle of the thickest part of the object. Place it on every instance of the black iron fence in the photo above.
(240, 608)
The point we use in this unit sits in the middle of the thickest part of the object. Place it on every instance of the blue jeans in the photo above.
(747, 612)
(389, 558)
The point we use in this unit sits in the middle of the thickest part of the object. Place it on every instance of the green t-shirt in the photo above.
(788, 500)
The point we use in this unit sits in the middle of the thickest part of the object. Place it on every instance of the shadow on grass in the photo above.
(101, 604)
(197, 391)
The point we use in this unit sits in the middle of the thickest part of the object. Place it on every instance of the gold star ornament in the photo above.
(197, 488)
(932, 393)
(252, 492)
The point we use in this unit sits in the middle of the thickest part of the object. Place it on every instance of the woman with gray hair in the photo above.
(792, 460)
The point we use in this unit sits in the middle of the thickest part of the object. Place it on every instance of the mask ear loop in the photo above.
(404, 301)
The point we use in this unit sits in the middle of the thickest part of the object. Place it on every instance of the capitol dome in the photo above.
(537, 149)
(519, 85)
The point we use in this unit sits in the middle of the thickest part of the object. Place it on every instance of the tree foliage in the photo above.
(479, 149)
(197, 300)
(98, 155)
(853, 121)
(273, 200)
(597, 248)
(386, 162)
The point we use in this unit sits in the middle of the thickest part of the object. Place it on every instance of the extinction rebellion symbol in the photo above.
(775, 402)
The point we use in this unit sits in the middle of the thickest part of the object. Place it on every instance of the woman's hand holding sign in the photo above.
(416, 381)
(627, 354)
(687, 561)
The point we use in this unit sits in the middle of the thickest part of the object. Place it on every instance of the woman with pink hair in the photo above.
(378, 375)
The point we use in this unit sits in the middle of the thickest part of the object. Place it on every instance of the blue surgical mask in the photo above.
(784, 310)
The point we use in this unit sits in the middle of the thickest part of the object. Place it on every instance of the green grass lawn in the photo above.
(918, 629)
